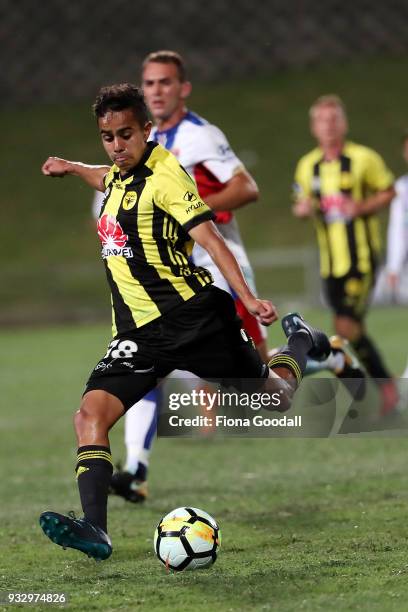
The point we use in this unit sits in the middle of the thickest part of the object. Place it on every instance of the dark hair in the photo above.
(404, 136)
(120, 97)
(167, 57)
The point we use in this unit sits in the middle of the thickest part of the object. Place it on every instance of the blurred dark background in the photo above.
(256, 68)
(58, 50)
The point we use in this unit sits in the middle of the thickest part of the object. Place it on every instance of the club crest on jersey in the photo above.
(112, 237)
(129, 200)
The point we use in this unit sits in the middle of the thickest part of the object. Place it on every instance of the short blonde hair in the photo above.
(166, 56)
(331, 100)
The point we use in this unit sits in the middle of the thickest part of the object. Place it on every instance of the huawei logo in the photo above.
(112, 237)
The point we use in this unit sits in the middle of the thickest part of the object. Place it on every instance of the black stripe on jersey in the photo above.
(199, 272)
(160, 229)
(345, 166)
(176, 233)
(160, 290)
(123, 315)
(173, 229)
(320, 216)
(352, 246)
(205, 216)
(373, 254)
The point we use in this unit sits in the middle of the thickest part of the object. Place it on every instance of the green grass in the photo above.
(308, 524)
(52, 253)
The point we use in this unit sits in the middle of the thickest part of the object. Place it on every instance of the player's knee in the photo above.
(90, 417)
(85, 420)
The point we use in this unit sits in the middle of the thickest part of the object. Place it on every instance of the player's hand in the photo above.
(263, 310)
(55, 166)
(350, 208)
(303, 208)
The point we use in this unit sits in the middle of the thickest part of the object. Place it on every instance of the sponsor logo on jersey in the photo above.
(334, 207)
(194, 206)
(189, 196)
(224, 149)
(112, 238)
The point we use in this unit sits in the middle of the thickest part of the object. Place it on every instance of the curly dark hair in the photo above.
(120, 97)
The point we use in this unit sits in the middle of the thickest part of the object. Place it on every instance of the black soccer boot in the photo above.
(293, 323)
(128, 486)
(70, 532)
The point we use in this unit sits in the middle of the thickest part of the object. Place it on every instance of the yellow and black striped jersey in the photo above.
(346, 245)
(143, 227)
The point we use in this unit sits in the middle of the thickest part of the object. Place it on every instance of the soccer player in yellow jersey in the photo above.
(166, 313)
(342, 186)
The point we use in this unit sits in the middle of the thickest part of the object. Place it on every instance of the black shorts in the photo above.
(349, 295)
(203, 336)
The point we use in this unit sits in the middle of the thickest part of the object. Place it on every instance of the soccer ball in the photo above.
(187, 539)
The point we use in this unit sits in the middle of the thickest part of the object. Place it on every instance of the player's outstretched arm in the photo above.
(241, 189)
(93, 175)
(207, 236)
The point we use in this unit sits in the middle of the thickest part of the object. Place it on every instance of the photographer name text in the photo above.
(222, 421)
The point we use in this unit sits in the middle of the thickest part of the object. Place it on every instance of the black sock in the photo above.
(370, 357)
(141, 472)
(294, 355)
(94, 470)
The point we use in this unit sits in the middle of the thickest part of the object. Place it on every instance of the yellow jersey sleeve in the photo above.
(377, 175)
(178, 196)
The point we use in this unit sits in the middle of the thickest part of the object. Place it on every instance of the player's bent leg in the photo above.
(343, 363)
(98, 412)
(347, 367)
(289, 363)
(140, 429)
(281, 380)
(371, 359)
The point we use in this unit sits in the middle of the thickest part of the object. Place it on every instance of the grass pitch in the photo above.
(307, 524)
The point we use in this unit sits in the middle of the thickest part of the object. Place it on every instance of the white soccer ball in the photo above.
(186, 539)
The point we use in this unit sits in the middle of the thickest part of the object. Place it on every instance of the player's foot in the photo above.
(70, 532)
(293, 323)
(389, 397)
(129, 487)
(351, 368)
